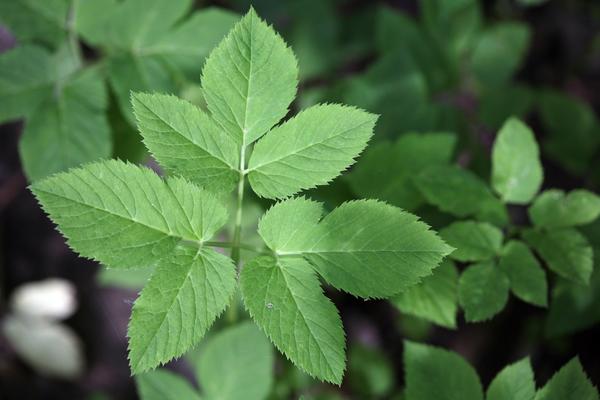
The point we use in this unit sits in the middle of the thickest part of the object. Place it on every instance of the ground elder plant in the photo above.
(127, 216)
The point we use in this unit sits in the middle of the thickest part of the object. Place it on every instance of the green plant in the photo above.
(126, 216)
(77, 108)
(475, 221)
(433, 373)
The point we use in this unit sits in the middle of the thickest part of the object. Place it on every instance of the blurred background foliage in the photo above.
(456, 68)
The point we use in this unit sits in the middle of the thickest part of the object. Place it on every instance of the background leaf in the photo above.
(237, 363)
(482, 291)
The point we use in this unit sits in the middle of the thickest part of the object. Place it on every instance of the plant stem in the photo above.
(237, 232)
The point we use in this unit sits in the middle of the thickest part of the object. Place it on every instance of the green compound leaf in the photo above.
(527, 278)
(309, 150)
(474, 241)
(566, 251)
(435, 299)
(164, 385)
(180, 302)
(482, 291)
(237, 363)
(570, 383)
(454, 190)
(555, 209)
(516, 167)
(250, 79)
(408, 156)
(126, 216)
(499, 52)
(366, 248)
(437, 374)
(285, 299)
(514, 382)
(186, 141)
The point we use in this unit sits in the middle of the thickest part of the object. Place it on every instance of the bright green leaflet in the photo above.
(438, 185)
(526, 275)
(184, 296)
(516, 167)
(186, 141)
(237, 363)
(435, 298)
(354, 246)
(125, 216)
(164, 385)
(250, 79)
(309, 150)
(514, 382)
(474, 241)
(482, 291)
(412, 152)
(285, 299)
(566, 251)
(437, 374)
(555, 209)
(570, 383)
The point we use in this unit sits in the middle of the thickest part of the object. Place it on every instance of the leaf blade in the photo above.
(285, 299)
(309, 150)
(160, 327)
(250, 79)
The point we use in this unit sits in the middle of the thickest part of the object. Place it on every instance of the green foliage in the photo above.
(434, 373)
(435, 298)
(438, 185)
(409, 155)
(353, 246)
(516, 168)
(285, 299)
(483, 291)
(559, 114)
(514, 382)
(308, 150)
(64, 98)
(526, 276)
(570, 383)
(370, 371)
(555, 209)
(566, 251)
(127, 216)
(182, 299)
(236, 363)
(474, 241)
(164, 385)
